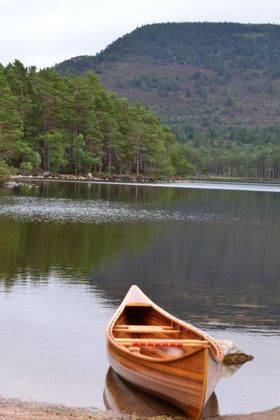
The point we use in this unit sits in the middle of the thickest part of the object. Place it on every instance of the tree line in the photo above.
(75, 125)
(233, 159)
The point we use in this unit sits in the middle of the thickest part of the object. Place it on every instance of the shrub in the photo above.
(5, 170)
(26, 166)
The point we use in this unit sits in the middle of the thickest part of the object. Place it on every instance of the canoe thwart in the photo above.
(146, 329)
(165, 327)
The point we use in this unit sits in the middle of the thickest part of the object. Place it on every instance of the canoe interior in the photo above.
(143, 326)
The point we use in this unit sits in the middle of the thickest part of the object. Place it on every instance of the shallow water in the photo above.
(69, 252)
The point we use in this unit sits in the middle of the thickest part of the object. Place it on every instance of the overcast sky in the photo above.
(44, 32)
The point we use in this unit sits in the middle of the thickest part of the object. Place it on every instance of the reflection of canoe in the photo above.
(163, 355)
(123, 398)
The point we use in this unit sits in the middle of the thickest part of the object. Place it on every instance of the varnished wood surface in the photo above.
(123, 398)
(184, 376)
(161, 342)
(146, 329)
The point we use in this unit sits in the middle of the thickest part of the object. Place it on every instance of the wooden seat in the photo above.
(147, 329)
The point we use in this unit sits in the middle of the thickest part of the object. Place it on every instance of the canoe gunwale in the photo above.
(152, 359)
(216, 351)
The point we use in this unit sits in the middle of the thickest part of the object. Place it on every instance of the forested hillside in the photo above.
(75, 125)
(216, 84)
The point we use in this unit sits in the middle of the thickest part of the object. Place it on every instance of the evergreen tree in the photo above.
(11, 124)
(75, 125)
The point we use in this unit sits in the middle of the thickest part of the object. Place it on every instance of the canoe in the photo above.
(163, 355)
(120, 397)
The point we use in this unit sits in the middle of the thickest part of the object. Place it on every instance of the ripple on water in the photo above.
(102, 211)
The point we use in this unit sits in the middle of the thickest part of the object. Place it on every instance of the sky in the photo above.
(45, 32)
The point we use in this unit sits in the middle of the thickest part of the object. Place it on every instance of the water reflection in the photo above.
(69, 252)
(222, 273)
(213, 275)
(121, 397)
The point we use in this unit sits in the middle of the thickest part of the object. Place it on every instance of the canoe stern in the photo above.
(181, 382)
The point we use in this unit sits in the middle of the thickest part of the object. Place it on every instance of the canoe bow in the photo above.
(163, 355)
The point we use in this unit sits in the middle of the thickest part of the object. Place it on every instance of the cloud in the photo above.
(43, 32)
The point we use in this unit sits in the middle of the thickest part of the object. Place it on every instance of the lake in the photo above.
(206, 252)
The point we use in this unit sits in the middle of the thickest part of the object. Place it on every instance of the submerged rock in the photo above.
(233, 354)
(237, 358)
(12, 184)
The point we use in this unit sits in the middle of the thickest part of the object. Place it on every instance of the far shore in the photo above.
(134, 179)
(234, 184)
(15, 409)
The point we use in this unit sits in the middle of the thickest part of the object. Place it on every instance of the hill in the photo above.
(195, 75)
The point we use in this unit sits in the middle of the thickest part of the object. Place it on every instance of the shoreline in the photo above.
(138, 180)
(229, 185)
(11, 409)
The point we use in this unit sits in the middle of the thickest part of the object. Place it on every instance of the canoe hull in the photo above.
(163, 355)
(187, 383)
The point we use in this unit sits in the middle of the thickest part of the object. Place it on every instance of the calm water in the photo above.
(69, 252)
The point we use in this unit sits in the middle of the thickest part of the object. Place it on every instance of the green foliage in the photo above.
(163, 83)
(218, 46)
(33, 158)
(182, 163)
(74, 125)
(52, 147)
(11, 126)
(26, 166)
(224, 157)
(5, 170)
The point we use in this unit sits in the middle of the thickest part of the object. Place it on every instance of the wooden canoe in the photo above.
(163, 355)
(120, 397)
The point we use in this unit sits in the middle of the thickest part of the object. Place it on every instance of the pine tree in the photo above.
(75, 125)
(11, 124)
